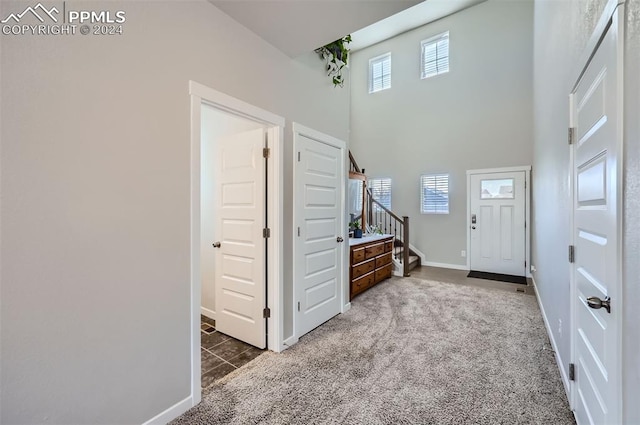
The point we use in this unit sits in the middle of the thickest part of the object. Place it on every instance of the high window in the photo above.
(435, 55)
(380, 73)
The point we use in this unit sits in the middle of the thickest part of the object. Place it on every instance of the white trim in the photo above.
(290, 342)
(235, 106)
(594, 40)
(500, 170)
(527, 209)
(420, 254)
(300, 130)
(171, 413)
(446, 265)
(208, 313)
(275, 125)
(571, 396)
(346, 307)
(565, 379)
(195, 271)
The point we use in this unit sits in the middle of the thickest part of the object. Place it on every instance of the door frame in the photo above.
(612, 17)
(527, 209)
(274, 125)
(345, 305)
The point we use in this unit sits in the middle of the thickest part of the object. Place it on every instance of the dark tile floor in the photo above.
(221, 354)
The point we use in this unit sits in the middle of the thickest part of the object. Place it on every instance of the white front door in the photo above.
(319, 181)
(240, 217)
(596, 196)
(497, 223)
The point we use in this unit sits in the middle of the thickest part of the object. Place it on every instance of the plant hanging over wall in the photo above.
(336, 55)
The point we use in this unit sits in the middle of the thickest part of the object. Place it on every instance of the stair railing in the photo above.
(390, 223)
(387, 221)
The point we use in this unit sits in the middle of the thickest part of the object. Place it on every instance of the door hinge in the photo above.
(298, 156)
(266, 152)
(266, 233)
(266, 313)
(572, 135)
(572, 254)
(298, 231)
(525, 264)
(572, 372)
(298, 305)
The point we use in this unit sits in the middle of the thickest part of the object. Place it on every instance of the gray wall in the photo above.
(479, 115)
(562, 30)
(95, 174)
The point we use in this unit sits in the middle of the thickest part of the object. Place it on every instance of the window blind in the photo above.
(381, 191)
(434, 194)
(435, 55)
(380, 73)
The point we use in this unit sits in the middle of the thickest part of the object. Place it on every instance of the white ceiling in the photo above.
(300, 26)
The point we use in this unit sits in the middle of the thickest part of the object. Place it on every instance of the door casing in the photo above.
(274, 125)
(527, 208)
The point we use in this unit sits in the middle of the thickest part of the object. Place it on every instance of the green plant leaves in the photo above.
(336, 55)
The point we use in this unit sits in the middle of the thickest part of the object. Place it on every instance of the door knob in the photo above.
(473, 227)
(216, 244)
(596, 303)
(339, 239)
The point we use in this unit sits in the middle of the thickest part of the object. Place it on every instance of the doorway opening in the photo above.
(498, 210)
(236, 233)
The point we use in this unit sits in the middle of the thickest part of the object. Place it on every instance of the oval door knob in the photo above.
(339, 239)
(216, 244)
(473, 227)
(596, 303)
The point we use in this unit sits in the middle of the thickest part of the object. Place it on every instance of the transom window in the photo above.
(380, 73)
(435, 55)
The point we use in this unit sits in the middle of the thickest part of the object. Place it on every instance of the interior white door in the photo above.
(319, 198)
(240, 258)
(595, 235)
(497, 223)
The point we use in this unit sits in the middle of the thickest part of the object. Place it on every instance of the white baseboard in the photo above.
(208, 313)
(346, 307)
(420, 254)
(446, 265)
(171, 413)
(289, 342)
(563, 374)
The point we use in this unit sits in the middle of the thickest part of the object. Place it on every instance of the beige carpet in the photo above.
(409, 351)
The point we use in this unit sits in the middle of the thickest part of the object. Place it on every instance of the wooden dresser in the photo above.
(371, 262)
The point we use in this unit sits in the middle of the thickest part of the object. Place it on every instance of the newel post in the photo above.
(405, 247)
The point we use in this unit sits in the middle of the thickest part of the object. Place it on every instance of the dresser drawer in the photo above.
(357, 255)
(383, 260)
(383, 273)
(362, 284)
(388, 246)
(373, 250)
(362, 268)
